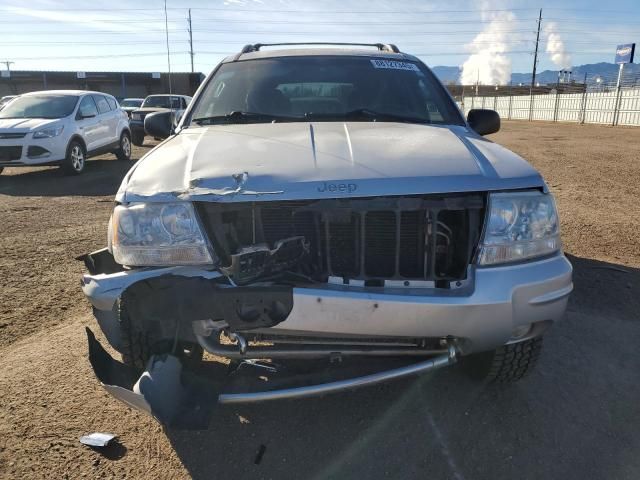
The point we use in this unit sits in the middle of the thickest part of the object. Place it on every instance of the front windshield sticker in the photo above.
(377, 63)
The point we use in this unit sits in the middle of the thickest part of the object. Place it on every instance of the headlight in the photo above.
(136, 116)
(49, 132)
(156, 234)
(520, 226)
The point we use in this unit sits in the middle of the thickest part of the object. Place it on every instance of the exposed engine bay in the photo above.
(371, 242)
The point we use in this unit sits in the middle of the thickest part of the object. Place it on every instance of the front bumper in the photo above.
(482, 315)
(40, 151)
(136, 125)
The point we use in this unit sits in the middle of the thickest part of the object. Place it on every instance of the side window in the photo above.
(112, 103)
(184, 103)
(87, 108)
(101, 102)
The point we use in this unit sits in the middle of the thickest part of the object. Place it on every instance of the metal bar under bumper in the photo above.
(211, 345)
(331, 387)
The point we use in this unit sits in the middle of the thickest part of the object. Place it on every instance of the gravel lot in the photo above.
(577, 416)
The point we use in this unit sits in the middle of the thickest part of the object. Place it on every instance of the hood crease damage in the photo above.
(294, 161)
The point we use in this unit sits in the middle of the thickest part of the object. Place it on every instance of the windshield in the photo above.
(40, 106)
(161, 101)
(131, 103)
(325, 88)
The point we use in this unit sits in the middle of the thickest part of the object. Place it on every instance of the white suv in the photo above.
(62, 127)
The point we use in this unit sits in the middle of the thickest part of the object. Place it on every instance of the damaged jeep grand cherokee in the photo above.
(319, 204)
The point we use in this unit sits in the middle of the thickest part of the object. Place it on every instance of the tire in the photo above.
(75, 160)
(137, 346)
(1, 169)
(137, 138)
(506, 364)
(124, 152)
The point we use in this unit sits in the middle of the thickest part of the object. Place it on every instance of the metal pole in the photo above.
(584, 101)
(190, 41)
(535, 55)
(510, 102)
(616, 106)
(166, 29)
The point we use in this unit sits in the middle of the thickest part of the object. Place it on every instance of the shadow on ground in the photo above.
(101, 177)
(575, 417)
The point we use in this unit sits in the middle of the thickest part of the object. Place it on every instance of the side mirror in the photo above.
(158, 124)
(177, 117)
(484, 121)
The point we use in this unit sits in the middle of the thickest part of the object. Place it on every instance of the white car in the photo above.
(62, 127)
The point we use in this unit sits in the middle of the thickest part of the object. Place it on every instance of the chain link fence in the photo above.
(597, 99)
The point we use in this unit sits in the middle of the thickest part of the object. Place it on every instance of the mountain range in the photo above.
(603, 69)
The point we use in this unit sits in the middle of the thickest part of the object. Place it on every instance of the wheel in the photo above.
(506, 364)
(137, 138)
(124, 152)
(73, 164)
(137, 346)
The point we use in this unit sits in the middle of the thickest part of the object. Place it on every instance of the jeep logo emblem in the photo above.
(338, 187)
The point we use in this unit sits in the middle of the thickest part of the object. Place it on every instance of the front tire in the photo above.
(137, 346)
(506, 364)
(74, 162)
(124, 151)
(137, 138)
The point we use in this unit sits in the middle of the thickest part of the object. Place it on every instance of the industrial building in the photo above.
(119, 84)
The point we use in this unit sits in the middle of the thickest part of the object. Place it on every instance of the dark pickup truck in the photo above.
(153, 104)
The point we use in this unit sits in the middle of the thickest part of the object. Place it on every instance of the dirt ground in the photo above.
(577, 416)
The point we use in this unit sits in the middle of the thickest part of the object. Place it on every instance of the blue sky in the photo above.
(129, 36)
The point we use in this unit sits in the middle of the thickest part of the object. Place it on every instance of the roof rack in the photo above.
(383, 47)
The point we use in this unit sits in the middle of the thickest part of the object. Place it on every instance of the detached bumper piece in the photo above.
(179, 398)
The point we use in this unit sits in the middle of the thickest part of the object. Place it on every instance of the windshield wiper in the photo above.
(243, 117)
(365, 114)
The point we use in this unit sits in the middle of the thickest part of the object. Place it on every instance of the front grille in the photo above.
(10, 153)
(4, 136)
(412, 238)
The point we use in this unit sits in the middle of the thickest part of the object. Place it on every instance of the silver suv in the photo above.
(321, 204)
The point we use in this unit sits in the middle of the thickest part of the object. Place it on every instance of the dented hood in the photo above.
(287, 161)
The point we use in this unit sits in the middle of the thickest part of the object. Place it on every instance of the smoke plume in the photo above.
(489, 62)
(555, 47)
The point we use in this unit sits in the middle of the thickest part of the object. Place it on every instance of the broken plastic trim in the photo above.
(181, 399)
(254, 261)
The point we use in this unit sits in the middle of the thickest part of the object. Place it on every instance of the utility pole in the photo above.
(166, 29)
(8, 64)
(535, 55)
(190, 41)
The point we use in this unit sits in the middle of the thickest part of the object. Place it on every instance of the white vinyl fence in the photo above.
(606, 107)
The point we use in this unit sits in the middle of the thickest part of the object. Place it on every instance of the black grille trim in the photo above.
(5, 136)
